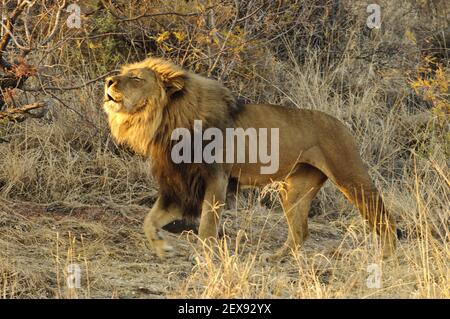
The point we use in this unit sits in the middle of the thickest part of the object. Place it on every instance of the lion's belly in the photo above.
(285, 146)
(250, 175)
(295, 137)
(283, 161)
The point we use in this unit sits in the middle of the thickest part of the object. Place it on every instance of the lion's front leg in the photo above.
(158, 217)
(213, 203)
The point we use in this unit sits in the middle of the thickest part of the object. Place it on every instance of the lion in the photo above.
(148, 100)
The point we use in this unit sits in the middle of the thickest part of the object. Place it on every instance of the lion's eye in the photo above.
(136, 78)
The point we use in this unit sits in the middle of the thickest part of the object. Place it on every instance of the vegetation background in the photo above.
(70, 195)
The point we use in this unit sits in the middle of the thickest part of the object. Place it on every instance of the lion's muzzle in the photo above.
(110, 90)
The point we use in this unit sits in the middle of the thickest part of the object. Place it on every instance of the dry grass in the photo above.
(334, 262)
(108, 244)
(69, 195)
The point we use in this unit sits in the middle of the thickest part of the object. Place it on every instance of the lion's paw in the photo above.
(162, 249)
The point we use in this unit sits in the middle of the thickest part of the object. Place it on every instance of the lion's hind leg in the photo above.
(301, 188)
(365, 196)
(349, 173)
(158, 217)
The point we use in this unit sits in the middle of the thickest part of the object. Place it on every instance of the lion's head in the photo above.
(152, 81)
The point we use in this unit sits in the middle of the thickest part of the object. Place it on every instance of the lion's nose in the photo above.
(110, 81)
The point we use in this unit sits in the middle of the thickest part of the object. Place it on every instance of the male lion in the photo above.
(148, 100)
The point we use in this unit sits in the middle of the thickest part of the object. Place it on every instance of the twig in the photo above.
(251, 14)
(13, 114)
(68, 88)
(109, 7)
(151, 15)
(4, 41)
(16, 42)
(222, 48)
(55, 26)
(75, 111)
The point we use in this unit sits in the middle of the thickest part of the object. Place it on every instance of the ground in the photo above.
(39, 242)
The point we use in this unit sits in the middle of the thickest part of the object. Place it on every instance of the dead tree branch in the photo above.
(21, 113)
(16, 71)
(69, 88)
(9, 27)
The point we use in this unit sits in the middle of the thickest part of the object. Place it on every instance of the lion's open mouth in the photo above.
(108, 98)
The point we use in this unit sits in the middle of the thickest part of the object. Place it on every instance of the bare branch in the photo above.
(151, 15)
(16, 113)
(109, 7)
(68, 88)
(251, 14)
(25, 23)
(55, 26)
(82, 116)
(222, 48)
(4, 41)
(9, 31)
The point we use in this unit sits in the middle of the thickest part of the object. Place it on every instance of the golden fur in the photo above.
(149, 99)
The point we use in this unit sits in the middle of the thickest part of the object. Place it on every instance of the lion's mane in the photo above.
(148, 130)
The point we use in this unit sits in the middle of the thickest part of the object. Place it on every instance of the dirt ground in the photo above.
(38, 244)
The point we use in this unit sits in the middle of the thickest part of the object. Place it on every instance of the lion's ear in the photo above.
(174, 84)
